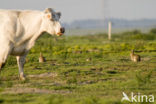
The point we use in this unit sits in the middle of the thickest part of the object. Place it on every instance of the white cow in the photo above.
(20, 29)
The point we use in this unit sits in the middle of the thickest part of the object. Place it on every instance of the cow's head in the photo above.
(50, 22)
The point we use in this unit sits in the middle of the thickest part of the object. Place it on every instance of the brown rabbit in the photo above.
(41, 58)
(88, 59)
(135, 57)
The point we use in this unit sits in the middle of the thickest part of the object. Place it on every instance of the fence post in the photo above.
(109, 30)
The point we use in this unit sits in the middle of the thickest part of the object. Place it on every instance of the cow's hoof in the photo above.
(22, 77)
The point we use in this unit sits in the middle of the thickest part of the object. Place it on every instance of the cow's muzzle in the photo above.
(62, 31)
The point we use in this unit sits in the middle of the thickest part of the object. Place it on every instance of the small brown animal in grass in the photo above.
(135, 57)
(41, 58)
(88, 59)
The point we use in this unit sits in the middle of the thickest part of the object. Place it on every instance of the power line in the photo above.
(105, 6)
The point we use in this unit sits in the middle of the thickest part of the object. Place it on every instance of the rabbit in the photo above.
(41, 58)
(135, 57)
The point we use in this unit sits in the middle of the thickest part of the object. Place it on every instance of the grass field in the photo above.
(83, 70)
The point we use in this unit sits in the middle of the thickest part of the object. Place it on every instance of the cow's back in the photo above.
(14, 23)
(8, 24)
(11, 16)
(8, 15)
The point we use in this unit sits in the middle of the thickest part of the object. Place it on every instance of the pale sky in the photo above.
(89, 9)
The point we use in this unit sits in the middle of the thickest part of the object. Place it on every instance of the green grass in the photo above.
(82, 70)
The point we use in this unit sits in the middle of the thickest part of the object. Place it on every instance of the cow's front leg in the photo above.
(2, 65)
(21, 62)
(4, 52)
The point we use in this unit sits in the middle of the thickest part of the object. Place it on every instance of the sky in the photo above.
(89, 9)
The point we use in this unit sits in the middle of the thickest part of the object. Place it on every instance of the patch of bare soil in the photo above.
(20, 90)
(146, 59)
(43, 75)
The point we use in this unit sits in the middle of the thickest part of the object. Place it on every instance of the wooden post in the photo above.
(109, 30)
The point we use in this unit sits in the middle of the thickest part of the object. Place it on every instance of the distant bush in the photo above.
(136, 32)
(153, 31)
(131, 32)
(143, 37)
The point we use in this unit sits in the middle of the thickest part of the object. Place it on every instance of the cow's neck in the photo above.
(35, 37)
(33, 40)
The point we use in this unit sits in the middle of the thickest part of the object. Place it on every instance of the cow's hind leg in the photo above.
(21, 62)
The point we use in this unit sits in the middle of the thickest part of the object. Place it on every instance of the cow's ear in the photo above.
(48, 13)
(48, 10)
(59, 14)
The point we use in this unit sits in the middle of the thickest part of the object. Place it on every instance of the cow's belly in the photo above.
(18, 51)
